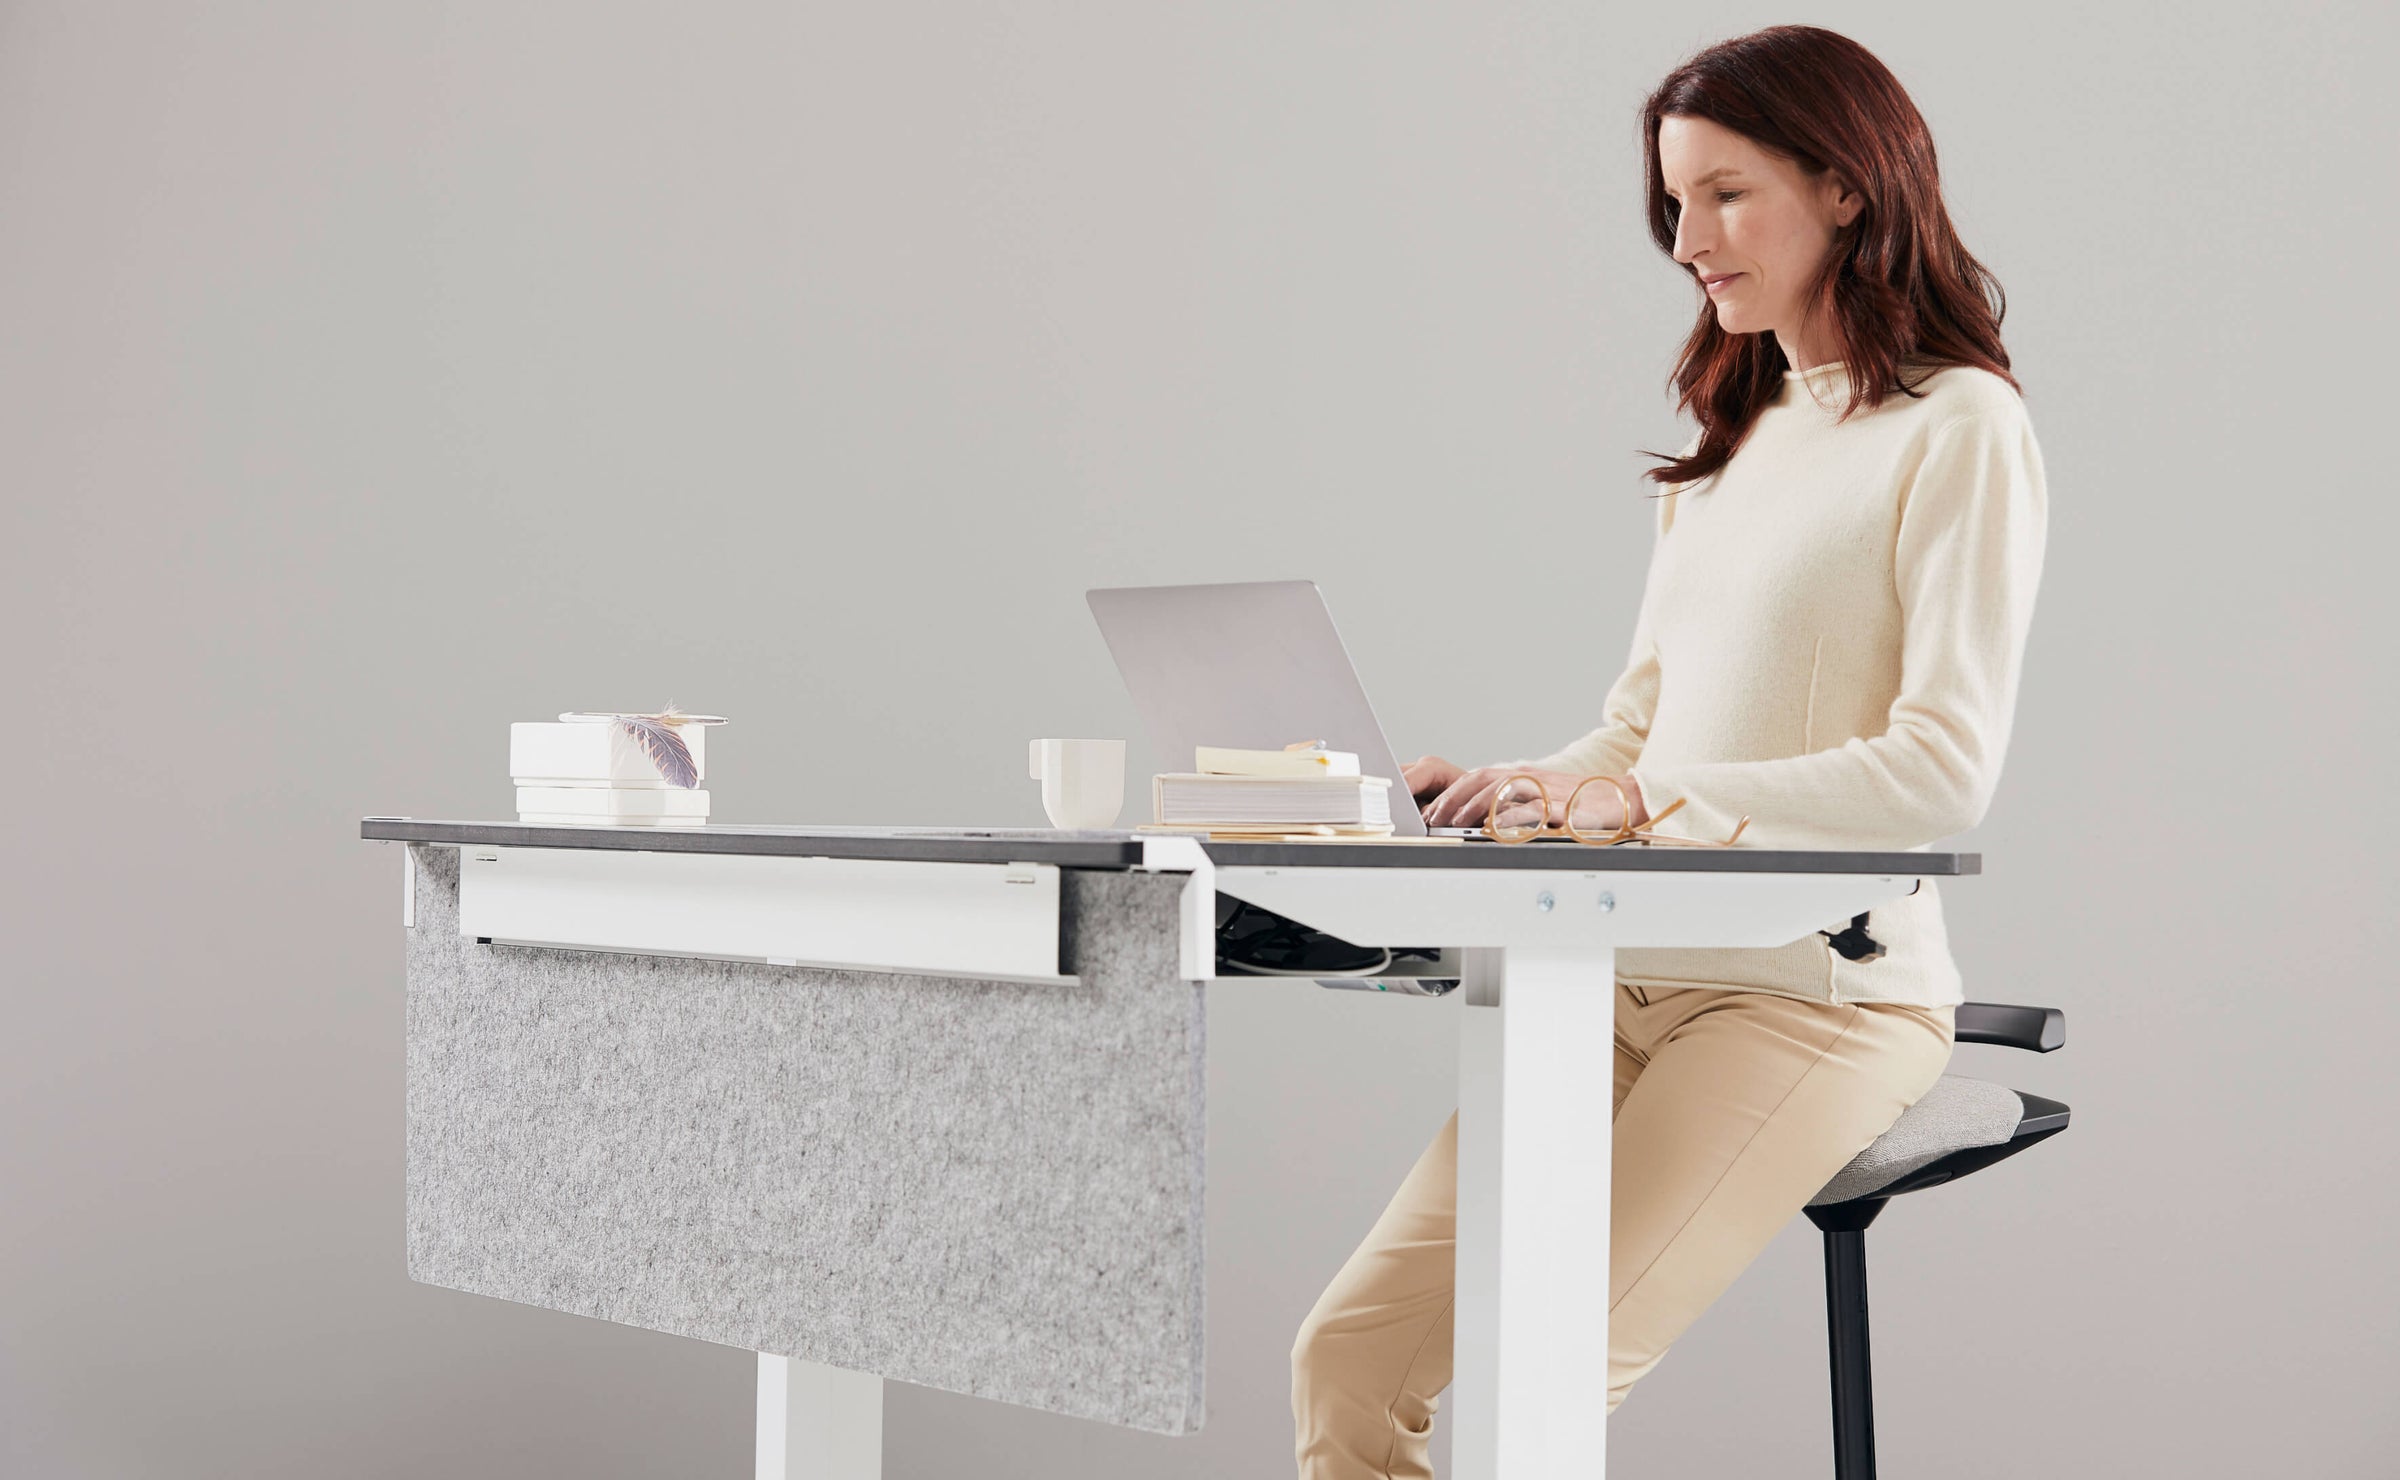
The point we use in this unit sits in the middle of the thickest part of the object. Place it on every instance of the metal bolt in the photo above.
(1545, 901)
(1608, 901)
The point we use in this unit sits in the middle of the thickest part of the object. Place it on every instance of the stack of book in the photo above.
(599, 770)
(1298, 791)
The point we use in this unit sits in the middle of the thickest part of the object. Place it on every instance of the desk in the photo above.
(928, 1104)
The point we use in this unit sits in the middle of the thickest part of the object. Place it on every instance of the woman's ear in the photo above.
(1847, 203)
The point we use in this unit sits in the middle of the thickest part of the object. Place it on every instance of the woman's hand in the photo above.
(1467, 801)
(1426, 776)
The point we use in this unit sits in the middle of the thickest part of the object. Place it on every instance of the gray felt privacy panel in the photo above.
(988, 1187)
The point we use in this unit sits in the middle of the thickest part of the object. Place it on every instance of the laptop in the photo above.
(1252, 664)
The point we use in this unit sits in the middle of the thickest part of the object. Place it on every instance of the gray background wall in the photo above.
(371, 377)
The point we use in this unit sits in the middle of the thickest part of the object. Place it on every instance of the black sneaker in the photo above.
(1261, 941)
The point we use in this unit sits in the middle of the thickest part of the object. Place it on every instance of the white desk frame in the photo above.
(1531, 1367)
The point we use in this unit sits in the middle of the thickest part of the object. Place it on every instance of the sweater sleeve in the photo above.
(1966, 561)
(1625, 714)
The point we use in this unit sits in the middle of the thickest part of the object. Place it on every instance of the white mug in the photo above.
(1083, 781)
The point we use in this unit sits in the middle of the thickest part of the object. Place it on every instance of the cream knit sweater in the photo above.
(1829, 642)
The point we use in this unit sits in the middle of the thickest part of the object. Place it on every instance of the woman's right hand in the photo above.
(1428, 776)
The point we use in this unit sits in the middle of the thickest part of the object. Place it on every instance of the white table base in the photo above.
(817, 1422)
(1536, 1081)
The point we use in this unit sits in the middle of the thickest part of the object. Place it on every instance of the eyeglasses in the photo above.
(1522, 790)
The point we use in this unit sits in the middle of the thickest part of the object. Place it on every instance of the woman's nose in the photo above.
(1689, 241)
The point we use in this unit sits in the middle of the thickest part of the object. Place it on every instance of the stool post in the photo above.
(1846, 1326)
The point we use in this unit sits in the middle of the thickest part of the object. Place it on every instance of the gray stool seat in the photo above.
(1954, 1115)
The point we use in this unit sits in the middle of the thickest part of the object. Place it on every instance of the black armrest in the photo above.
(2041, 1029)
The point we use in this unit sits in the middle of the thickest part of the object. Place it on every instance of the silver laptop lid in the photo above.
(1255, 664)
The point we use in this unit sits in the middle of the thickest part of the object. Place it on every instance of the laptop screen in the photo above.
(1252, 664)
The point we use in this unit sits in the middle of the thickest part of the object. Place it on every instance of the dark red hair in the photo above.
(1897, 285)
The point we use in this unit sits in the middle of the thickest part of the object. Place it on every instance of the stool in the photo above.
(1961, 1125)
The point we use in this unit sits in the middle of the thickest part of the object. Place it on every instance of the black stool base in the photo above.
(1845, 1229)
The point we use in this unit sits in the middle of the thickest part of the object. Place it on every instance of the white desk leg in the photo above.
(1536, 1079)
(817, 1422)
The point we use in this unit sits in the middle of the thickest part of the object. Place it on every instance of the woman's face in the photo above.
(1756, 221)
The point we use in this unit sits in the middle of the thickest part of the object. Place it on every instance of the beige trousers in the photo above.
(1733, 1109)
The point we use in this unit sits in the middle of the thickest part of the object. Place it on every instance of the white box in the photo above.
(614, 804)
(570, 819)
(593, 753)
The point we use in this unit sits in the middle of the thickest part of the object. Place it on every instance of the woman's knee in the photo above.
(1330, 1341)
(1373, 1339)
(1321, 1343)
(1326, 1385)
(1308, 1350)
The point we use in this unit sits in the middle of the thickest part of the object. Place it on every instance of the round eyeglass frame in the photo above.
(1625, 831)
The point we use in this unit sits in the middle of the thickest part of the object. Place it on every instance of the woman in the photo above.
(1828, 643)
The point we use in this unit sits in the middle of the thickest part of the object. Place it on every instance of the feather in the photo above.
(655, 733)
(664, 747)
